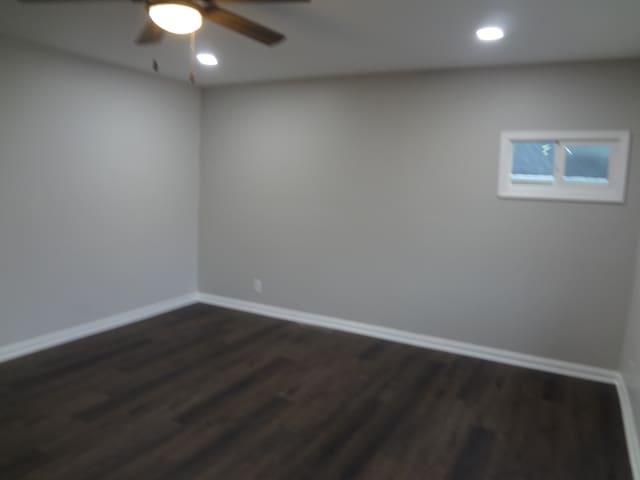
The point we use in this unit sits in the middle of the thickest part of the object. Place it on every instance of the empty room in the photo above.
(319, 239)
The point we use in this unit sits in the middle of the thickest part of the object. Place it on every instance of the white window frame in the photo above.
(612, 192)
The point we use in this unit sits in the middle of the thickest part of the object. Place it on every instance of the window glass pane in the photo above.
(533, 162)
(587, 163)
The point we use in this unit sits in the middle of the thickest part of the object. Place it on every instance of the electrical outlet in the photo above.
(632, 364)
(257, 285)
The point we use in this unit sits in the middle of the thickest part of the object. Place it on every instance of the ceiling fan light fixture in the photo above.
(175, 17)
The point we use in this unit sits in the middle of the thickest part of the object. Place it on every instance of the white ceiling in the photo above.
(330, 37)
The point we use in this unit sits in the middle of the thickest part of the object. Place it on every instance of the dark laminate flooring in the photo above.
(209, 393)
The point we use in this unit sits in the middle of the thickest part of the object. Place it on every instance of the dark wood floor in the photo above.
(207, 393)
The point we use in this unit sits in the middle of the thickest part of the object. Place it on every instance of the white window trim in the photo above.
(612, 192)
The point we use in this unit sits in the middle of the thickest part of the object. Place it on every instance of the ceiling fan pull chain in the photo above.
(192, 58)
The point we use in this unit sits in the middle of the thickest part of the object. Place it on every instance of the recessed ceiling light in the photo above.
(175, 17)
(490, 34)
(208, 59)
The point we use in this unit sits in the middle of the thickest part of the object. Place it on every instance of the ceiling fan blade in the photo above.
(151, 34)
(69, 1)
(263, 1)
(242, 25)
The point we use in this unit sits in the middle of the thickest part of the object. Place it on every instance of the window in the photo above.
(589, 166)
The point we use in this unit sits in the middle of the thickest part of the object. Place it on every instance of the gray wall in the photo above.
(98, 190)
(371, 199)
(630, 363)
(374, 199)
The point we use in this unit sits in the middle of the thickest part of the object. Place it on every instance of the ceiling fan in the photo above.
(186, 16)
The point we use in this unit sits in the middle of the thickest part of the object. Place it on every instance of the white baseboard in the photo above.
(49, 340)
(461, 348)
(19, 349)
(630, 428)
(419, 340)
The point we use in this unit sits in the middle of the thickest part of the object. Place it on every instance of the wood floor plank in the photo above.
(205, 392)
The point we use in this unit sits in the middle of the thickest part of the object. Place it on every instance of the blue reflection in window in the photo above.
(533, 162)
(587, 163)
